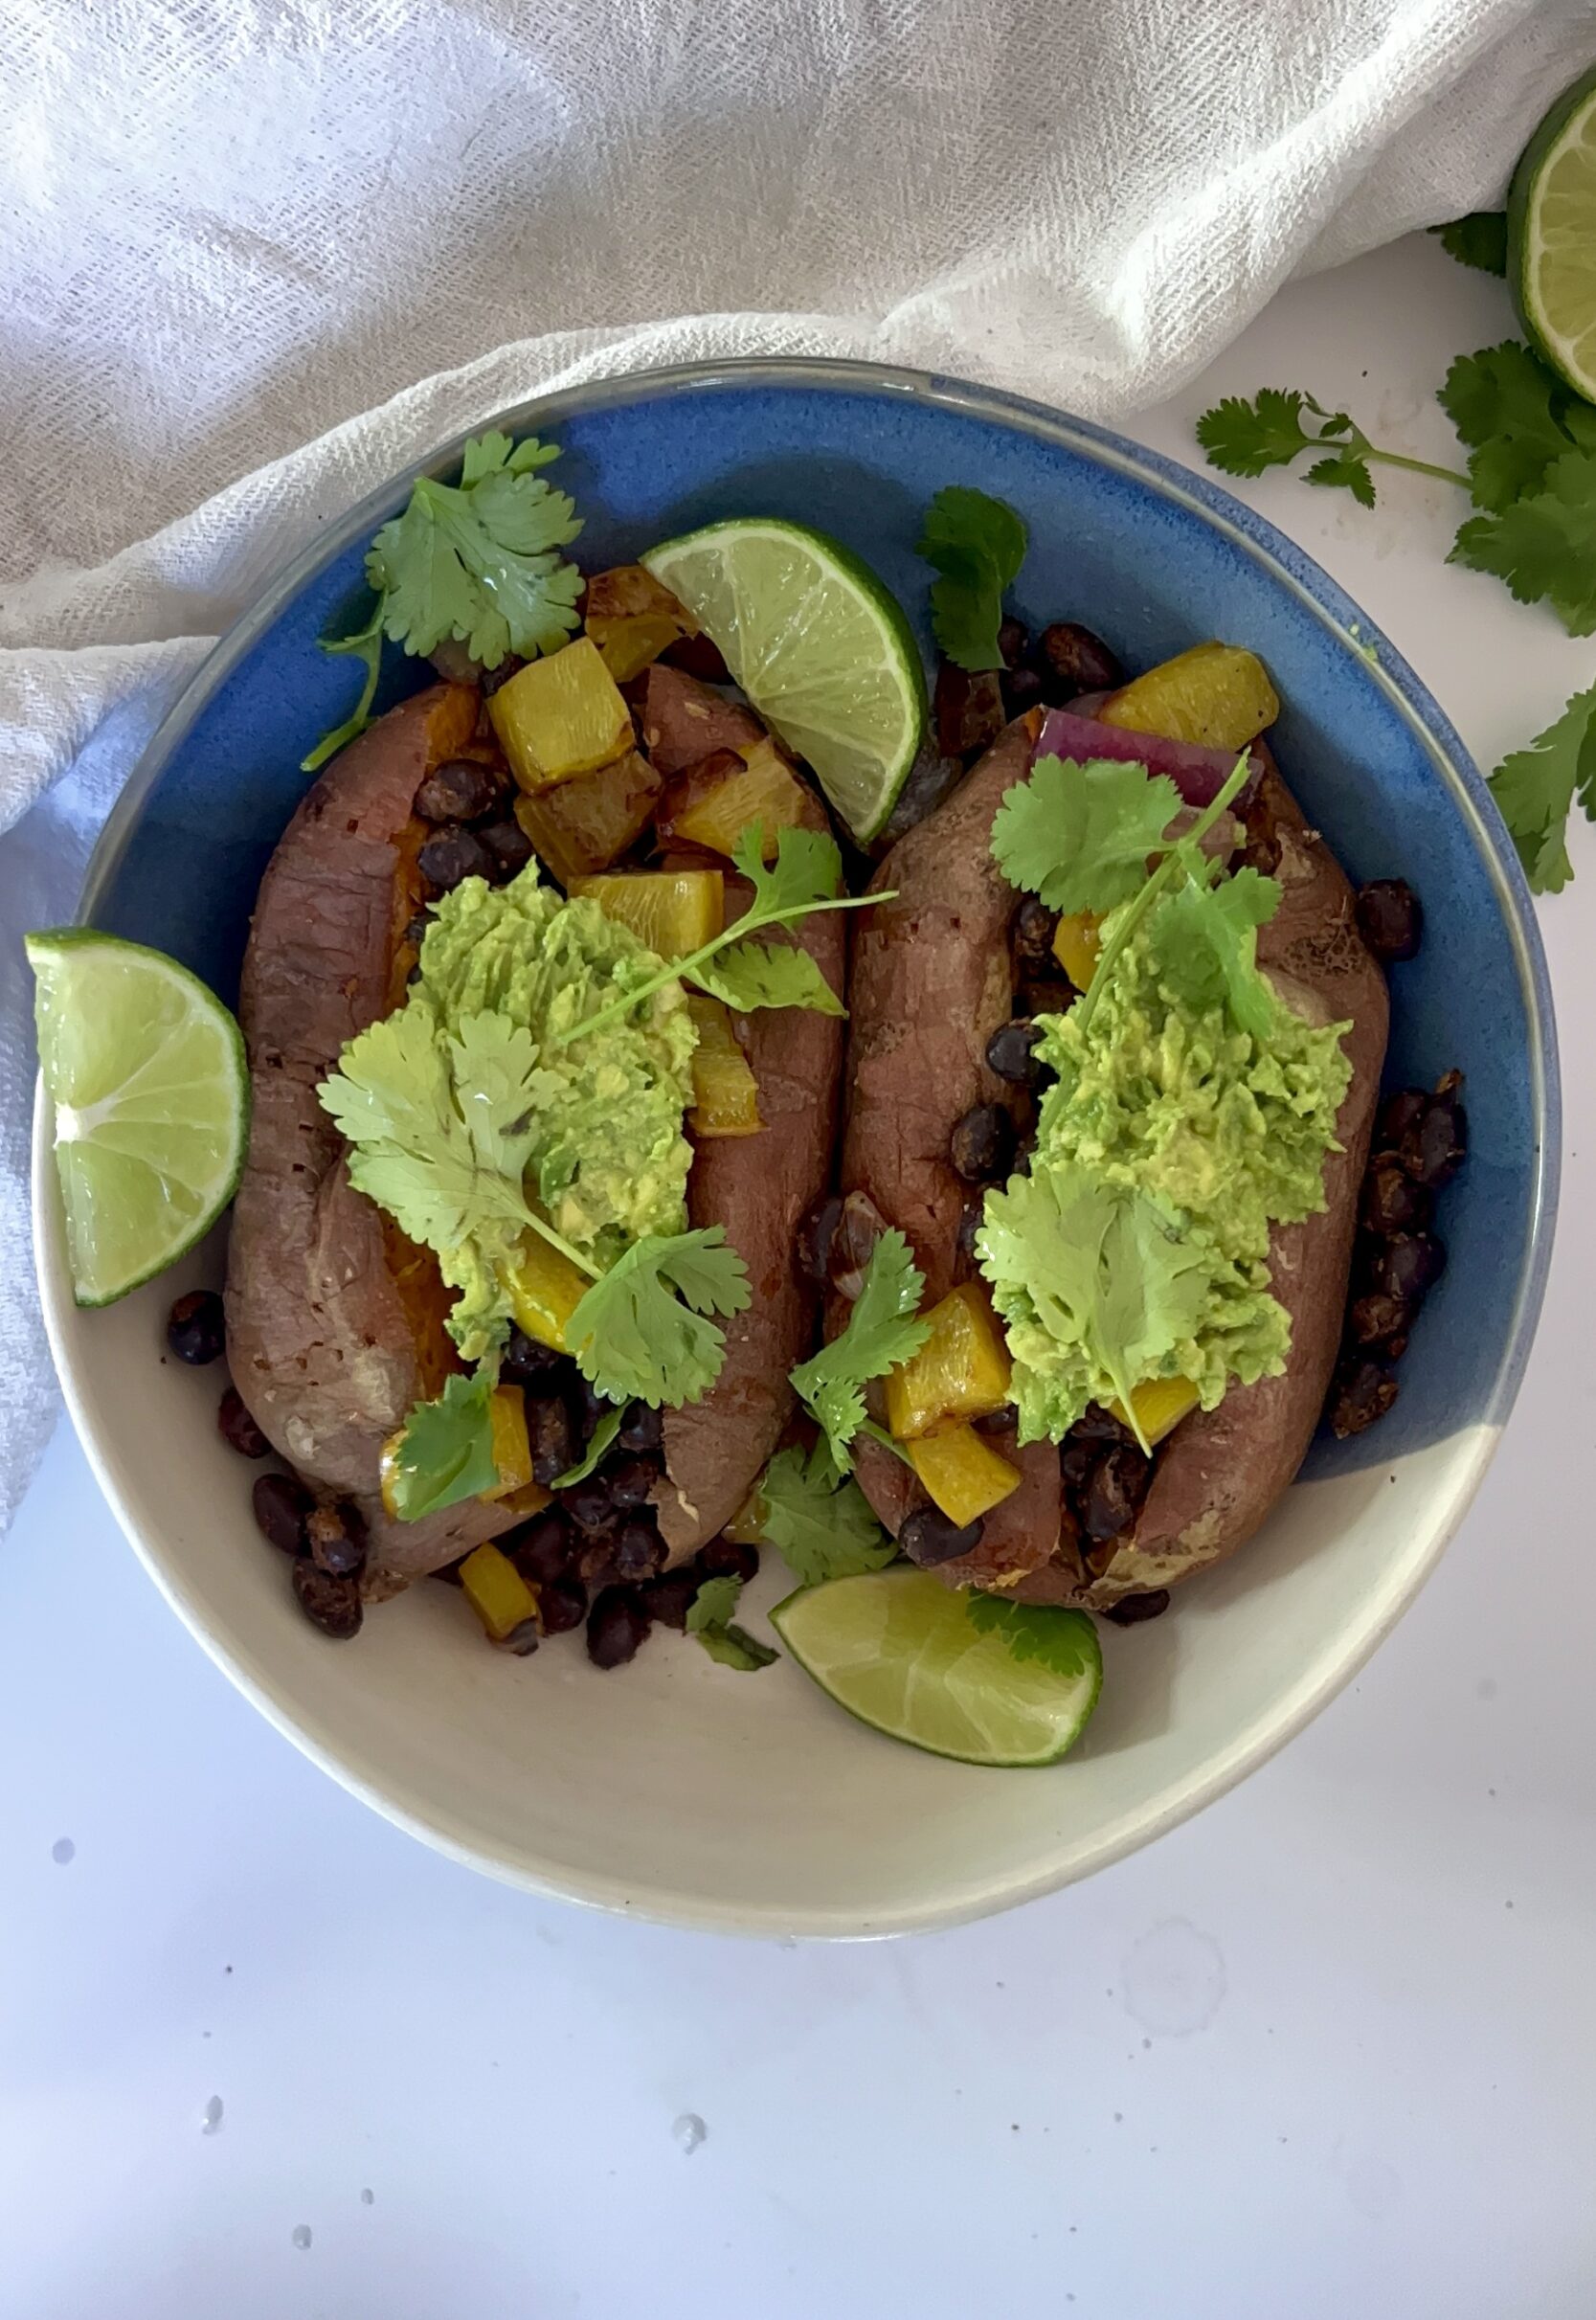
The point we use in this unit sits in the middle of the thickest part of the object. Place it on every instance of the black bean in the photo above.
(1011, 1053)
(1054, 998)
(337, 1536)
(541, 1549)
(998, 1421)
(1114, 1491)
(1023, 690)
(1392, 1202)
(727, 1559)
(1076, 1459)
(552, 1433)
(459, 790)
(589, 1505)
(1012, 641)
(1390, 919)
(929, 1537)
(491, 679)
(638, 1551)
(562, 1604)
(237, 1428)
(670, 1597)
(981, 1145)
(969, 1225)
(969, 710)
(642, 1429)
(1381, 1319)
(1034, 927)
(329, 1602)
(587, 1404)
(1363, 1390)
(523, 1638)
(509, 845)
(1073, 659)
(196, 1330)
(1095, 1424)
(595, 1563)
(860, 1227)
(1131, 1609)
(631, 1481)
(452, 855)
(528, 1362)
(1398, 1114)
(618, 1624)
(1408, 1265)
(1434, 1149)
(812, 1241)
(416, 930)
(282, 1506)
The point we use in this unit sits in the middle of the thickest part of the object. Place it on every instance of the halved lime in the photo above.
(146, 1068)
(821, 648)
(906, 1656)
(1551, 237)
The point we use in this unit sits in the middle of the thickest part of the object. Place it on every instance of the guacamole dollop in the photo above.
(1208, 1135)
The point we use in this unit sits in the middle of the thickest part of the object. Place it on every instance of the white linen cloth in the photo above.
(259, 253)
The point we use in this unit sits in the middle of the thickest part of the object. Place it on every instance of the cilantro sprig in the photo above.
(445, 1452)
(1535, 789)
(1244, 437)
(977, 544)
(709, 1619)
(746, 974)
(1053, 1638)
(1478, 240)
(883, 1330)
(477, 561)
(818, 1521)
(641, 1331)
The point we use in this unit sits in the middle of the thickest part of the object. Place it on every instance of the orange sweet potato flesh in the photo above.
(333, 1321)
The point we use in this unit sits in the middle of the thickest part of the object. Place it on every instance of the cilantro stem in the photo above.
(751, 922)
(555, 1240)
(1136, 910)
(1397, 458)
(879, 1433)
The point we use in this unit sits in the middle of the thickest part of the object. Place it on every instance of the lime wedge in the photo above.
(146, 1068)
(906, 1656)
(1551, 235)
(821, 648)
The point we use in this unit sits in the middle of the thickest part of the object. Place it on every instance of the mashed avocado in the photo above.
(1206, 1136)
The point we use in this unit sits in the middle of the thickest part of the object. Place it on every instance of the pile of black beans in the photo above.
(1061, 662)
(475, 833)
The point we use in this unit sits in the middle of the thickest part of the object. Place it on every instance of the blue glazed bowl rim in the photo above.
(1289, 565)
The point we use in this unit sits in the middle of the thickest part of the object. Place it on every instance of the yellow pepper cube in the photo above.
(964, 1474)
(512, 1448)
(629, 643)
(726, 1095)
(544, 1290)
(584, 824)
(561, 716)
(1158, 1405)
(717, 814)
(1216, 695)
(961, 1370)
(1077, 939)
(496, 1591)
(673, 911)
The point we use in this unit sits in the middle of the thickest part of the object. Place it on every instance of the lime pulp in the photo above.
(1551, 228)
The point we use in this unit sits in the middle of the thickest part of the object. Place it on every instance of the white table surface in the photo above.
(1326, 2050)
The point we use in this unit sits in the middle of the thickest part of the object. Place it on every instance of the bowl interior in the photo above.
(680, 1788)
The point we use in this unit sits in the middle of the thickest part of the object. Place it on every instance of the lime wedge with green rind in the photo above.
(1551, 237)
(146, 1072)
(902, 1653)
(819, 645)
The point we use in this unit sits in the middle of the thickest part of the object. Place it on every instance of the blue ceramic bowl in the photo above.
(1155, 558)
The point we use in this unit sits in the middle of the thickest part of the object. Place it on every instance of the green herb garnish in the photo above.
(709, 1619)
(821, 1523)
(978, 545)
(881, 1331)
(445, 1452)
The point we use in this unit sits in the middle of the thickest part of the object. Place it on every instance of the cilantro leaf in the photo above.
(1205, 940)
(1544, 546)
(1245, 438)
(823, 1527)
(1349, 468)
(1080, 835)
(1508, 407)
(445, 1452)
(709, 1619)
(635, 1341)
(597, 1449)
(1063, 1640)
(808, 868)
(883, 1330)
(479, 560)
(365, 646)
(977, 544)
(1536, 787)
(753, 974)
(1478, 240)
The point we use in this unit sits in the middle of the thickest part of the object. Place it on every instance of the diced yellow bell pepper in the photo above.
(964, 1474)
(726, 1095)
(544, 1290)
(501, 1598)
(673, 911)
(715, 814)
(1159, 1405)
(633, 619)
(1216, 695)
(388, 1473)
(512, 1448)
(582, 825)
(1076, 943)
(961, 1370)
(561, 716)
(630, 645)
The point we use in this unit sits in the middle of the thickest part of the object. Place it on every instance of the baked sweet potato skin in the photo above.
(685, 720)
(323, 1345)
(759, 1187)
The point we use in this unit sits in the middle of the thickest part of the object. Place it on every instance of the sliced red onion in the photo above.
(1198, 774)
